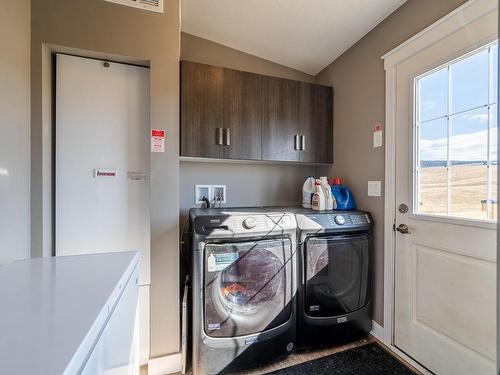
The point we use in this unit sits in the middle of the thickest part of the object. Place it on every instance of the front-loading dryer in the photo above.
(243, 287)
(334, 278)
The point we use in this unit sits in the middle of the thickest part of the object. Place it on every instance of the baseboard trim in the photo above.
(377, 331)
(167, 364)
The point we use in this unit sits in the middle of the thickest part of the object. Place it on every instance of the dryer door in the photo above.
(336, 274)
(248, 287)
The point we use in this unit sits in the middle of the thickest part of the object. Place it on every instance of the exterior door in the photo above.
(248, 287)
(445, 238)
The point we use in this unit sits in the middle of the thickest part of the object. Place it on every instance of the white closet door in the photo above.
(102, 124)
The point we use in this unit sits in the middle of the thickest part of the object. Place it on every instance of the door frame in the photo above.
(452, 22)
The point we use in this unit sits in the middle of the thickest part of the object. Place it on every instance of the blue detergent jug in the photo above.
(343, 196)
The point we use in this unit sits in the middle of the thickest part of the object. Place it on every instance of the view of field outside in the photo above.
(469, 190)
(457, 138)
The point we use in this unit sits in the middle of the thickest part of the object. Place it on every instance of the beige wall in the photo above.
(97, 27)
(14, 129)
(204, 51)
(358, 79)
(247, 184)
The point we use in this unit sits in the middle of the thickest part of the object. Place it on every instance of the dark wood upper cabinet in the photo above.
(231, 114)
(280, 119)
(242, 115)
(316, 123)
(201, 110)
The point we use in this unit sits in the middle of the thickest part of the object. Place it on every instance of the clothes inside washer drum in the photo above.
(251, 281)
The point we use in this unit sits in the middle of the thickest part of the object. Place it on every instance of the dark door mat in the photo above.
(370, 359)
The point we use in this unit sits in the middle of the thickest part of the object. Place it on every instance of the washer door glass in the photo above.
(248, 287)
(337, 275)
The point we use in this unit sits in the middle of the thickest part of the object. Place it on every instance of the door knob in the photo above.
(403, 229)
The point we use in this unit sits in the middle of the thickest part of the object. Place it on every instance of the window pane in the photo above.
(493, 133)
(433, 95)
(494, 73)
(469, 82)
(468, 157)
(469, 191)
(493, 199)
(432, 173)
(469, 137)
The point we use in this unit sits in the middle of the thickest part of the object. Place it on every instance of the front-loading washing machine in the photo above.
(243, 287)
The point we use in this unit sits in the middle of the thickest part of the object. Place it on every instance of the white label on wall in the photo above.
(137, 176)
(104, 172)
(377, 136)
(157, 140)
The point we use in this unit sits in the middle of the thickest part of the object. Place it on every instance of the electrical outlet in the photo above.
(201, 191)
(218, 194)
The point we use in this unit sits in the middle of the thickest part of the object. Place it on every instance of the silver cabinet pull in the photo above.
(227, 132)
(303, 142)
(296, 142)
(219, 136)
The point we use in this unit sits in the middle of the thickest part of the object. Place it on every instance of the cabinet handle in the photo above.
(219, 136)
(296, 142)
(303, 142)
(228, 137)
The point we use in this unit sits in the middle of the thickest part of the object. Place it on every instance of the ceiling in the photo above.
(306, 35)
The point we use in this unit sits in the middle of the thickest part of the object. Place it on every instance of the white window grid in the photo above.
(416, 132)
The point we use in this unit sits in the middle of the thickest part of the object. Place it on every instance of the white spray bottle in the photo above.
(318, 200)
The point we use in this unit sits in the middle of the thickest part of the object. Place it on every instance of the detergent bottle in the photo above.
(327, 190)
(318, 200)
(343, 196)
(308, 190)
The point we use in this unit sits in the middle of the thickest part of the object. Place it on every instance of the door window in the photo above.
(456, 138)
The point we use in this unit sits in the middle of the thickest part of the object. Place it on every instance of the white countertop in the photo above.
(53, 308)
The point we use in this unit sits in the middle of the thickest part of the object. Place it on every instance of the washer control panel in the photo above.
(262, 222)
(249, 222)
(246, 223)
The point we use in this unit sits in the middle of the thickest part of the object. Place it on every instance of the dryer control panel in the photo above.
(335, 220)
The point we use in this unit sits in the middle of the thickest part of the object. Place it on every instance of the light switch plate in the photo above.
(374, 188)
(377, 139)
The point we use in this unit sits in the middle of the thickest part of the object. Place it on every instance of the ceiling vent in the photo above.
(151, 5)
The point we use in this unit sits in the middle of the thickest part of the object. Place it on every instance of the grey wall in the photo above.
(14, 129)
(247, 184)
(358, 79)
(204, 51)
(91, 27)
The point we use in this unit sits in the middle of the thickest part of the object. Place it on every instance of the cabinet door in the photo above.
(201, 110)
(316, 123)
(242, 115)
(280, 119)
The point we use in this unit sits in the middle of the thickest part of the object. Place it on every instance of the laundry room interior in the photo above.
(248, 187)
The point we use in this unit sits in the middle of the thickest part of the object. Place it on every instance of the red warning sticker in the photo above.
(157, 140)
